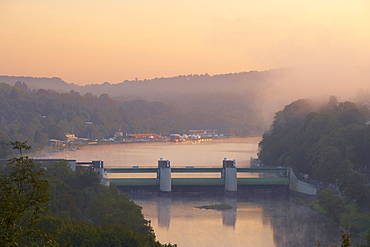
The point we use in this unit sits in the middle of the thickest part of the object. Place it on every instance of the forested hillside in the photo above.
(330, 142)
(56, 206)
(239, 104)
(259, 93)
(82, 212)
(38, 115)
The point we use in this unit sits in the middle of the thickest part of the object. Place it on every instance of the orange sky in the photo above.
(96, 41)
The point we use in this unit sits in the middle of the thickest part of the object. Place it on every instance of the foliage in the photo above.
(358, 221)
(23, 197)
(39, 115)
(328, 142)
(83, 212)
(332, 204)
(357, 189)
(345, 238)
(61, 207)
(367, 238)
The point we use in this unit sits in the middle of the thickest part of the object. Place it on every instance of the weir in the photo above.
(165, 178)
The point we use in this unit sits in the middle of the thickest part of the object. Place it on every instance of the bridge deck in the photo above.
(199, 181)
(196, 170)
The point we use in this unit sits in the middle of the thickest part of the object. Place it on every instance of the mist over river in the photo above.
(181, 154)
(257, 218)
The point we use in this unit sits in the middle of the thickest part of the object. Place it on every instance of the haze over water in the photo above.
(86, 42)
(257, 218)
(181, 154)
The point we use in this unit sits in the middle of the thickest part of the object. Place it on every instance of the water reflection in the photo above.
(229, 216)
(164, 211)
(198, 154)
(256, 219)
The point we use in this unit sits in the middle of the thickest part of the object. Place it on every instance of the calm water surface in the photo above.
(257, 219)
(181, 154)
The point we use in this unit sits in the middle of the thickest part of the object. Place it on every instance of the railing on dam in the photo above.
(196, 170)
(165, 178)
(228, 176)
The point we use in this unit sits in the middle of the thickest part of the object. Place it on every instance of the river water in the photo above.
(257, 218)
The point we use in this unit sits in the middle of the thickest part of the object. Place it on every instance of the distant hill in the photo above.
(144, 89)
(54, 83)
(238, 96)
(242, 97)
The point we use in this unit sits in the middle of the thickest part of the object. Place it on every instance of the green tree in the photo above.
(23, 195)
(358, 190)
(332, 204)
(84, 212)
(5, 147)
(345, 238)
(349, 114)
(343, 173)
(56, 132)
(329, 159)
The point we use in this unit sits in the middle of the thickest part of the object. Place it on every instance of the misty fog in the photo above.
(262, 92)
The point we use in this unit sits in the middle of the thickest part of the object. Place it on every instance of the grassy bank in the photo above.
(358, 221)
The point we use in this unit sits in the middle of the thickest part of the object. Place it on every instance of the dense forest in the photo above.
(329, 142)
(259, 94)
(55, 206)
(235, 104)
(39, 115)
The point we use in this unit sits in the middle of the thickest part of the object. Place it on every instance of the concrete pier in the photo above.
(163, 182)
(231, 182)
(98, 167)
(164, 175)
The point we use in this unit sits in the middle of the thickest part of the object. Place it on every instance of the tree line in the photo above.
(55, 206)
(39, 115)
(329, 142)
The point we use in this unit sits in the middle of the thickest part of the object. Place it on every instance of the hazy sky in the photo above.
(113, 40)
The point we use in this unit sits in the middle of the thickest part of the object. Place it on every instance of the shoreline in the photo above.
(46, 152)
(347, 218)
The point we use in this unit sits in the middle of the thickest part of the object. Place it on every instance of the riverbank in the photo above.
(53, 151)
(256, 219)
(181, 154)
(358, 222)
